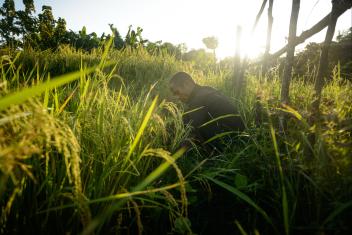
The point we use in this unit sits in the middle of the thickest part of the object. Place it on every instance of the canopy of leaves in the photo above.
(339, 52)
(210, 42)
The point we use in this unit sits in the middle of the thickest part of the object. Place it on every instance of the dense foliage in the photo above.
(91, 153)
(339, 52)
(90, 139)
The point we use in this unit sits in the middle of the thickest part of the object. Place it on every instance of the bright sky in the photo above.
(188, 21)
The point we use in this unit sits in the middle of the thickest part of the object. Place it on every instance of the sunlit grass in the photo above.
(98, 147)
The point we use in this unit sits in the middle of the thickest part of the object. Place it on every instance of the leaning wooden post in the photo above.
(311, 31)
(337, 5)
(290, 52)
(268, 37)
(258, 16)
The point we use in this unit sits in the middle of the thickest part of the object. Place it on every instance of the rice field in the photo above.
(89, 144)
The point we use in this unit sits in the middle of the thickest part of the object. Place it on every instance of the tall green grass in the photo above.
(89, 142)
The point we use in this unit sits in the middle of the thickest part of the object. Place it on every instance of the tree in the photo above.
(200, 57)
(134, 38)
(306, 61)
(211, 43)
(27, 23)
(154, 47)
(118, 41)
(60, 33)
(345, 36)
(81, 41)
(8, 29)
(46, 28)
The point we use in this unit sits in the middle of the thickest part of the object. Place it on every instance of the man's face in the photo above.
(180, 92)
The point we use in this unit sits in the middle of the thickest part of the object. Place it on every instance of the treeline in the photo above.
(340, 52)
(306, 62)
(305, 65)
(24, 29)
(21, 29)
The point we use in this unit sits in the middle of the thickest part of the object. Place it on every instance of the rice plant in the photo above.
(90, 142)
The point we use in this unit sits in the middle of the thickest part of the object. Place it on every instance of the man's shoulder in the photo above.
(204, 91)
(212, 95)
(215, 100)
(201, 96)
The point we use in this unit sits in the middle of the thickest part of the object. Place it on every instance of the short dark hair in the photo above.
(181, 78)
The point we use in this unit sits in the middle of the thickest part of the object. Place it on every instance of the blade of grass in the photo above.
(66, 101)
(240, 228)
(242, 196)
(218, 118)
(145, 182)
(56, 99)
(26, 93)
(218, 136)
(337, 211)
(142, 127)
(105, 53)
(283, 188)
(114, 197)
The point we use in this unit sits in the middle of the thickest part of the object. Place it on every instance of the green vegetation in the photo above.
(90, 136)
(98, 149)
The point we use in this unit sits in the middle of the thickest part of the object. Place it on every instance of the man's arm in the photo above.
(195, 118)
(220, 106)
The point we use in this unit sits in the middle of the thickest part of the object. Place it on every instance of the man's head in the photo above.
(181, 85)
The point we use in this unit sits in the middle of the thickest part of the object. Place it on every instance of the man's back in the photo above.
(206, 104)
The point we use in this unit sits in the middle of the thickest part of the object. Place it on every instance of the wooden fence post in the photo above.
(268, 38)
(285, 86)
(311, 31)
(245, 59)
(237, 66)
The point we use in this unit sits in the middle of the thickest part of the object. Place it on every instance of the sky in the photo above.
(189, 21)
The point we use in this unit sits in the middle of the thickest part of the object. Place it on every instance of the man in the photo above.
(210, 113)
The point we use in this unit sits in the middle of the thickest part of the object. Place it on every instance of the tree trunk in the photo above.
(268, 37)
(290, 52)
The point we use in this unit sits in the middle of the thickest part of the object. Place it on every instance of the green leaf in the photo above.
(182, 225)
(242, 196)
(241, 181)
(29, 92)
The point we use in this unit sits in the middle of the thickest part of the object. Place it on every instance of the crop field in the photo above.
(90, 143)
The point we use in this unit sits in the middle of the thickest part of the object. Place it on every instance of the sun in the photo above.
(250, 46)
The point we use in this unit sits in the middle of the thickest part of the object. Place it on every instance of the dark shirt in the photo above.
(206, 104)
